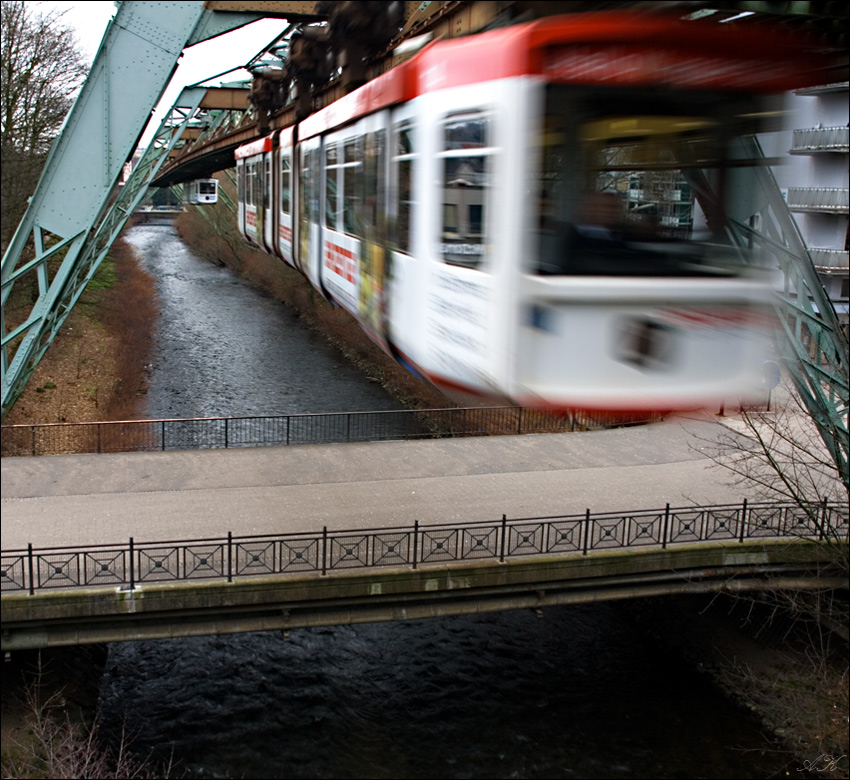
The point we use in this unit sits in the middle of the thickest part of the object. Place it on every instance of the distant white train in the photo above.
(201, 192)
(538, 213)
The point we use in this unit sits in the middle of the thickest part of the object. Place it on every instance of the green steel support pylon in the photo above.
(71, 220)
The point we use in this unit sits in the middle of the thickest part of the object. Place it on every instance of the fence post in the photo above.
(288, 418)
(162, 434)
(586, 531)
(30, 566)
(743, 521)
(229, 555)
(98, 438)
(226, 431)
(324, 549)
(415, 541)
(519, 422)
(132, 567)
(666, 527)
(32, 429)
(823, 521)
(504, 533)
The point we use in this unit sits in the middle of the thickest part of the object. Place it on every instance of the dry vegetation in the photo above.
(95, 368)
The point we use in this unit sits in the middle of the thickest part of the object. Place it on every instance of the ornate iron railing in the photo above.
(131, 564)
(224, 432)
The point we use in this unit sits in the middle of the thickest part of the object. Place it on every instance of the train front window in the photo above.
(634, 185)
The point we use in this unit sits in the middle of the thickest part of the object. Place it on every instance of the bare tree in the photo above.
(41, 69)
(779, 454)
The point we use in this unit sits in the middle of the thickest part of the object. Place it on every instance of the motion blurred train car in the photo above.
(541, 213)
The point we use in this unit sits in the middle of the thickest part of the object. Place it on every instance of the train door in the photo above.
(285, 201)
(309, 197)
(241, 196)
(374, 228)
(458, 334)
(269, 215)
(404, 304)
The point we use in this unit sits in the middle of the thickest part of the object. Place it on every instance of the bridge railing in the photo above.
(133, 564)
(225, 432)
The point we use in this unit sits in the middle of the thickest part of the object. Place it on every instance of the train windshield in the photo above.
(634, 185)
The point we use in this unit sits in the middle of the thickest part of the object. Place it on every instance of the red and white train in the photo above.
(539, 213)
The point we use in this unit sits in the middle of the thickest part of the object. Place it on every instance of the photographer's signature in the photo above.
(823, 763)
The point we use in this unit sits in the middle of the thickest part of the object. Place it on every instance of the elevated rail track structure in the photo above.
(75, 214)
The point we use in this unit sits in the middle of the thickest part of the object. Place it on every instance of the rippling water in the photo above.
(222, 348)
(578, 692)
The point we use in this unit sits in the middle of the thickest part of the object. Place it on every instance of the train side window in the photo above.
(403, 162)
(267, 184)
(465, 183)
(353, 186)
(285, 184)
(331, 188)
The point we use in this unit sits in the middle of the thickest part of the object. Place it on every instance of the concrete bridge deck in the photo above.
(89, 499)
(169, 496)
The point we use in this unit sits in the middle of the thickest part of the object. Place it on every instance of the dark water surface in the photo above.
(575, 692)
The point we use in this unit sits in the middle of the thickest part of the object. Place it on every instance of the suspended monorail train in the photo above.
(540, 213)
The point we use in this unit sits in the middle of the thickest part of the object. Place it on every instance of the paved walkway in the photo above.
(86, 499)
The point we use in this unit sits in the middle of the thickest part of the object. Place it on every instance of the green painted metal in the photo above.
(72, 218)
(813, 344)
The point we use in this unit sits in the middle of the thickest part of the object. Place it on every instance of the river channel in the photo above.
(571, 692)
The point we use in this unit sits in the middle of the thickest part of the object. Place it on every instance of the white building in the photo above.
(814, 181)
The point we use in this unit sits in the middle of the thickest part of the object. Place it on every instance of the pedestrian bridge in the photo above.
(171, 588)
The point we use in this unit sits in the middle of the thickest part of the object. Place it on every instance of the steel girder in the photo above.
(71, 220)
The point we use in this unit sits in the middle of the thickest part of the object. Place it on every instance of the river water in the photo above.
(572, 692)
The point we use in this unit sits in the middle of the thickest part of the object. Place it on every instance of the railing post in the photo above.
(743, 521)
(666, 527)
(415, 541)
(586, 531)
(162, 434)
(230, 556)
(504, 534)
(132, 566)
(30, 566)
(98, 438)
(823, 521)
(288, 418)
(32, 428)
(519, 422)
(226, 431)
(324, 549)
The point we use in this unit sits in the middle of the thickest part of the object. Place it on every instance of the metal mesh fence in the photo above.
(226, 432)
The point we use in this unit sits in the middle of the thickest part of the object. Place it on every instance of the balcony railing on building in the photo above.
(816, 140)
(823, 89)
(819, 199)
(831, 261)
